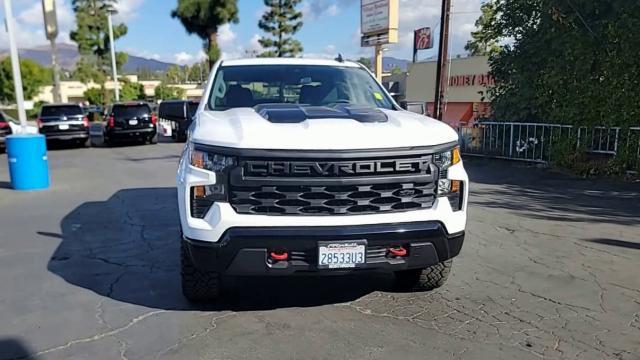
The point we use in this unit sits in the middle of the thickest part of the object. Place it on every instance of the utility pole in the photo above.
(441, 71)
(112, 45)
(15, 65)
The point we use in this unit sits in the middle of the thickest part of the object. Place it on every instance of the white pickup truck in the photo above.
(308, 167)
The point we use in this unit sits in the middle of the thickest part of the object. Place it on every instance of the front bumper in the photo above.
(243, 250)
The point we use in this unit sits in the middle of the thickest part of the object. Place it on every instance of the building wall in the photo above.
(466, 97)
(73, 91)
(421, 82)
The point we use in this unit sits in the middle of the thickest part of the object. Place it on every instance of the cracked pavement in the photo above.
(89, 270)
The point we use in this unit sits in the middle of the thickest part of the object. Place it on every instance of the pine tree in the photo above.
(204, 17)
(281, 21)
(92, 36)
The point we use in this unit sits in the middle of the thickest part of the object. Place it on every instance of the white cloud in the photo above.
(226, 36)
(236, 51)
(314, 9)
(144, 54)
(330, 49)
(29, 24)
(254, 44)
(183, 58)
(127, 10)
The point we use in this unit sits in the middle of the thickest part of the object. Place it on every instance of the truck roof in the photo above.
(288, 61)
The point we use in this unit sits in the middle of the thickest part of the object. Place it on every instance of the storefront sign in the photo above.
(374, 16)
(484, 80)
(379, 22)
(422, 39)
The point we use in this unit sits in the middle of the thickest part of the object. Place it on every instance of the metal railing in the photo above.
(535, 142)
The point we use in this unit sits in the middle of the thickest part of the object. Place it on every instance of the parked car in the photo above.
(130, 121)
(308, 167)
(64, 122)
(180, 114)
(5, 130)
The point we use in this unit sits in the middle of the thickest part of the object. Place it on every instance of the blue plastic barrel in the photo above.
(28, 165)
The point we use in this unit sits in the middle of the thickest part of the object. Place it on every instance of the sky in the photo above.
(330, 27)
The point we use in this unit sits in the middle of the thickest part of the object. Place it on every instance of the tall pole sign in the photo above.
(422, 40)
(379, 26)
(441, 70)
(51, 31)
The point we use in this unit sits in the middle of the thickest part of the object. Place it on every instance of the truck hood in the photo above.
(245, 128)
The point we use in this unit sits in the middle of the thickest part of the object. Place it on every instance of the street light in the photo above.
(51, 31)
(112, 45)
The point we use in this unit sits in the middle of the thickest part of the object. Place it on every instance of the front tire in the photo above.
(197, 285)
(427, 279)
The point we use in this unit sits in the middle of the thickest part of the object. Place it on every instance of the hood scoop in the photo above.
(294, 113)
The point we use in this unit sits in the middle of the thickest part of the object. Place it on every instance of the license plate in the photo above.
(342, 255)
(63, 127)
(133, 122)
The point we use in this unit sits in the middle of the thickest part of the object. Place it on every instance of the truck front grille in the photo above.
(332, 200)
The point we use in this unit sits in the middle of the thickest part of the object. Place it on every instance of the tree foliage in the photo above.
(280, 22)
(33, 77)
(484, 40)
(166, 92)
(173, 75)
(366, 62)
(95, 96)
(92, 36)
(396, 70)
(566, 61)
(203, 18)
(132, 91)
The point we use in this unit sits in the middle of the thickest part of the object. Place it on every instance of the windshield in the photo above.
(131, 111)
(65, 110)
(248, 86)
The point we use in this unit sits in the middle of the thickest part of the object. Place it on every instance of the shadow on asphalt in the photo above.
(14, 349)
(5, 185)
(617, 243)
(127, 248)
(547, 195)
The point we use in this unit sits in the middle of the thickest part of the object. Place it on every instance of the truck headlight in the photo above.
(212, 162)
(448, 158)
(204, 196)
(451, 189)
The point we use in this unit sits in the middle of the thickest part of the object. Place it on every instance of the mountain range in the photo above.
(68, 56)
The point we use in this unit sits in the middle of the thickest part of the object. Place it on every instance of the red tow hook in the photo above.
(398, 251)
(280, 255)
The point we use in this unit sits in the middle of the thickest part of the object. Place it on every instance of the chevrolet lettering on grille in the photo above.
(336, 169)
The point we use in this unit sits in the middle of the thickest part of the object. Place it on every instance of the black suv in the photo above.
(130, 121)
(66, 122)
(5, 130)
(180, 114)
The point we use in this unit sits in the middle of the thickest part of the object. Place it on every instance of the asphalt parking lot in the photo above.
(89, 270)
